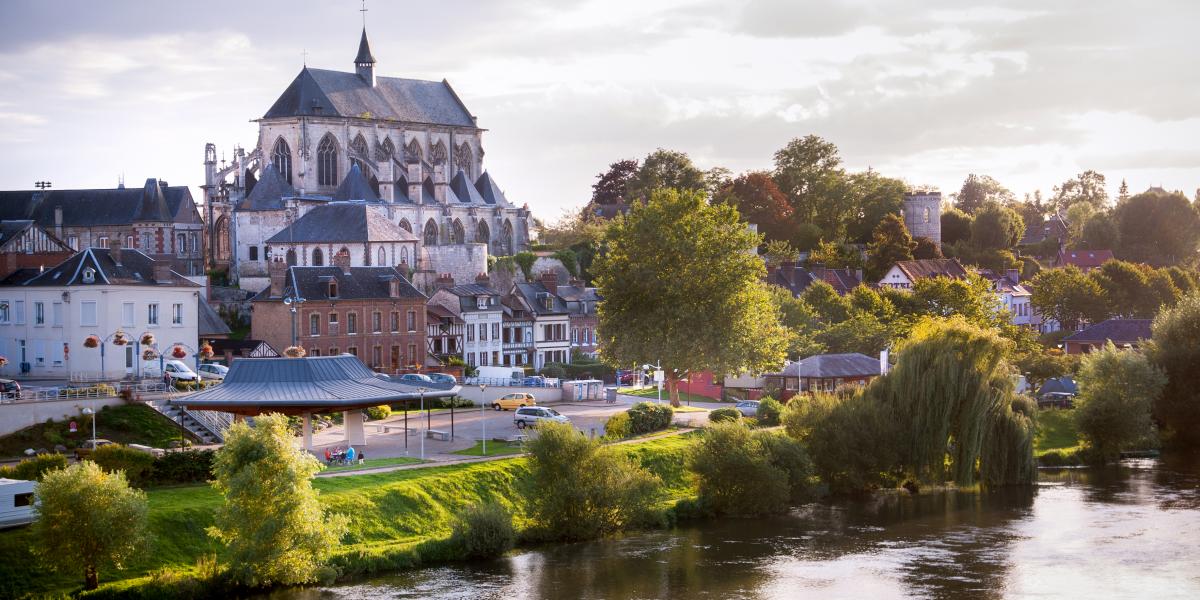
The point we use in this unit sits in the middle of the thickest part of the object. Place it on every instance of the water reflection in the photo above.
(1128, 531)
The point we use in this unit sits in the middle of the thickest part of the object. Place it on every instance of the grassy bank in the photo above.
(1057, 441)
(124, 424)
(397, 518)
(494, 448)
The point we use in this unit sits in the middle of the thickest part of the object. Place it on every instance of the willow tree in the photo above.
(682, 284)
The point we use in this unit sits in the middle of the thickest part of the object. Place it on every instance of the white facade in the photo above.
(45, 327)
(551, 339)
(896, 278)
(481, 341)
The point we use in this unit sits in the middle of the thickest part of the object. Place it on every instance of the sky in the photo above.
(1029, 92)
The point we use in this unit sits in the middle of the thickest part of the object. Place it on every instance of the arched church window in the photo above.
(405, 225)
(926, 214)
(389, 149)
(404, 254)
(437, 154)
(281, 156)
(464, 159)
(431, 233)
(358, 153)
(318, 258)
(412, 152)
(506, 238)
(327, 161)
(457, 234)
(291, 257)
(382, 258)
(482, 234)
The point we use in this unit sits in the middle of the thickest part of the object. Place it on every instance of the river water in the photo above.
(1131, 531)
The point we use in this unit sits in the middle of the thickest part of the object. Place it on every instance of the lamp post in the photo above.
(293, 301)
(483, 416)
(658, 377)
(422, 391)
(92, 413)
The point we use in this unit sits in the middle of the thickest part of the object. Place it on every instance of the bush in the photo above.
(749, 473)
(852, 439)
(769, 410)
(137, 466)
(33, 469)
(725, 415)
(377, 413)
(554, 371)
(607, 490)
(618, 427)
(646, 417)
(484, 531)
(1116, 391)
(191, 466)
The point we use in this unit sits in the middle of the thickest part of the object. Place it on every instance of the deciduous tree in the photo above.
(980, 190)
(1157, 228)
(1176, 351)
(759, 201)
(871, 198)
(996, 228)
(1088, 187)
(956, 226)
(890, 244)
(1068, 296)
(611, 185)
(1117, 389)
(665, 169)
(681, 284)
(808, 170)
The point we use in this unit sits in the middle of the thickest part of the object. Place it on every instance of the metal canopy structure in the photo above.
(304, 386)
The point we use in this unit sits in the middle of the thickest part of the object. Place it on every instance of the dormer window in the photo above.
(481, 302)
(89, 275)
(333, 289)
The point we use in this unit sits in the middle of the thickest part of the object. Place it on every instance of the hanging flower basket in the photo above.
(3, 361)
(147, 339)
(206, 351)
(179, 352)
(149, 354)
(119, 339)
(294, 352)
(91, 341)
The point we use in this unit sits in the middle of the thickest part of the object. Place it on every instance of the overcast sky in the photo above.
(1030, 92)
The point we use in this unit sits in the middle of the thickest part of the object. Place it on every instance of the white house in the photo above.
(1014, 297)
(47, 316)
(551, 320)
(483, 317)
(904, 273)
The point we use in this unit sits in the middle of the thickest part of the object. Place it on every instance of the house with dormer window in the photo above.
(479, 309)
(551, 319)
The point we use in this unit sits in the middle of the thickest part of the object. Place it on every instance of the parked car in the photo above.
(89, 446)
(147, 449)
(534, 381)
(748, 408)
(177, 370)
(9, 389)
(515, 400)
(443, 378)
(530, 416)
(415, 378)
(625, 378)
(212, 371)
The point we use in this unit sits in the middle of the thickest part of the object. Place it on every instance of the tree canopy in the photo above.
(979, 191)
(1157, 228)
(996, 228)
(890, 244)
(1088, 187)
(682, 284)
(1176, 351)
(760, 201)
(1068, 296)
(611, 185)
(665, 169)
(1117, 389)
(808, 170)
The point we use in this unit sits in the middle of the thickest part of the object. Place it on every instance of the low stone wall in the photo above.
(543, 395)
(16, 416)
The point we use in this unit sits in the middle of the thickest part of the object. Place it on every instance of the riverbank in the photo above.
(397, 519)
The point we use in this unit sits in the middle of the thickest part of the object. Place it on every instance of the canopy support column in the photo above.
(355, 435)
(307, 432)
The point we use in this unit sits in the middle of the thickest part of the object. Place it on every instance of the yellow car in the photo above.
(514, 401)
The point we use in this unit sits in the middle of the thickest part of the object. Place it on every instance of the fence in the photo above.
(537, 382)
(102, 390)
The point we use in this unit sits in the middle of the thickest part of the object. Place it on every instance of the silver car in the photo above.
(748, 408)
(212, 371)
(530, 416)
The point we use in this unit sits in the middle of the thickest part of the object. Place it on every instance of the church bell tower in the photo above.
(364, 63)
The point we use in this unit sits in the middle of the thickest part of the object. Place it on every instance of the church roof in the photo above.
(269, 192)
(489, 190)
(364, 50)
(339, 94)
(355, 186)
(93, 208)
(342, 222)
(464, 190)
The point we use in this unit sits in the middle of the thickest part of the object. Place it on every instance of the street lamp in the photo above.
(426, 434)
(658, 377)
(483, 416)
(293, 301)
(90, 412)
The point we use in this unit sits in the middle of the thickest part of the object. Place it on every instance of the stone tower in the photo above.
(923, 215)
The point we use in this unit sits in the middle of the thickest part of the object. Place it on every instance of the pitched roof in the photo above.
(834, 365)
(535, 295)
(355, 186)
(14, 229)
(339, 94)
(268, 192)
(240, 347)
(362, 283)
(92, 208)
(209, 322)
(364, 50)
(1118, 330)
(1054, 227)
(153, 205)
(932, 267)
(1084, 259)
(489, 190)
(342, 222)
(463, 190)
(796, 279)
(135, 269)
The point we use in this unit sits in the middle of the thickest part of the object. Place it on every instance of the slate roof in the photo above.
(932, 267)
(1084, 259)
(533, 292)
(364, 50)
(92, 208)
(464, 191)
(834, 365)
(342, 222)
(269, 192)
(355, 186)
(489, 190)
(363, 283)
(340, 94)
(135, 269)
(297, 384)
(1120, 331)
(209, 322)
(1054, 228)
(796, 279)
(464, 298)
(238, 347)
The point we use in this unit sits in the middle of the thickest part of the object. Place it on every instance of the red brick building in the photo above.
(374, 313)
(24, 245)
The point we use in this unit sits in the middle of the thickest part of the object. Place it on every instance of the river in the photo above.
(1131, 531)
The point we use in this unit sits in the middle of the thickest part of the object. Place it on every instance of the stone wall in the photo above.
(462, 261)
(19, 415)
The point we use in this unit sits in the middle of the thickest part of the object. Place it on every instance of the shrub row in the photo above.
(144, 470)
(647, 417)
(33, 468)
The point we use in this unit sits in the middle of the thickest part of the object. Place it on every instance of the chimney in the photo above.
(58, 222)
(343, 261)
(1014, 275)
(575, 282)
(162, 272)
(483, 280)
(277, 270)
(444, 281)
(114, 250)
(550, 280)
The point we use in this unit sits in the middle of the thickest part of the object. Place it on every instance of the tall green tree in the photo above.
(778, 252)
(665, 169)
(1157, 228)
(890, 244)
(979, 191)
(1088, 187)
(682, 283)
(1176, 351)
(871, 198)
(1068, 296)
(956, 226)
(808, 170)
(836, 256)
(271, 524)
(611, 185)
(1117, 389)
(996, 228)
(926, 248)
(1099, 232)
(88, 520)
(759, 201)
(971, 299)
(799, 319)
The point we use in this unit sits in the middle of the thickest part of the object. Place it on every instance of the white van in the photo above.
(16, 502)
(177, 369)
(500, 373)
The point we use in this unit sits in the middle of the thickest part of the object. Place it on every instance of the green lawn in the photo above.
(1056, 432)
(124, 424)
(390, 513)
(372, 463)
(652, 394)
(493, 449)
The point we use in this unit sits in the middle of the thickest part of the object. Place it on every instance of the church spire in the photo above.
(364, 63)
